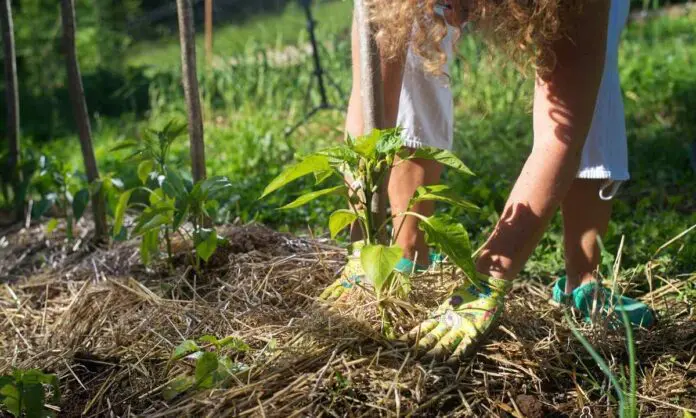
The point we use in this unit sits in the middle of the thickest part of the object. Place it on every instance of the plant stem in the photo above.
(168, 240)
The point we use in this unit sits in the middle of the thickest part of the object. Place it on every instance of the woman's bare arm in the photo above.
(563, 111)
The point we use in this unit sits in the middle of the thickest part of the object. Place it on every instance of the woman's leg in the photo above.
(585, 218)
(405, 179)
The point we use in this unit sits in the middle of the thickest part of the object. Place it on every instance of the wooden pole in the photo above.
(209, 32)
(79, 105)
(191, 91)
(371, 88)
(12, 102)
(372, 94)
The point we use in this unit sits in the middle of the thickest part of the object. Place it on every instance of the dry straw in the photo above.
(106, 326)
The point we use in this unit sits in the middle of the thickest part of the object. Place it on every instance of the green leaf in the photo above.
(52, 380)
(79, 203)
(227, 368)
(149, 246)
(308, 197)
(390, 141)
(444, 157)
(9, 393)
(206, 243)
(43, 206)
(120, 213)
(184, 349)
(312, 164)
(33, 399)
(215, 186)
(443, 194)
(321, 176)
(174, 186)
(205, 366)
(211, 208)
(366, 145)
(340, 154)
(144, 170)
(177, 387)
(153, 222)
(340, 220)
(378, 262)
(125, 145)
(180, 215)
(688, 414)
(234, 343)
(209, 339)
(451, 239)
(51, 225)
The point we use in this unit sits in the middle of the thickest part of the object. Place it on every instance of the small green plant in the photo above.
(17, 190)
(62, 188)
(23, 394)
(171, 200)
(214, 363)
(362, 165)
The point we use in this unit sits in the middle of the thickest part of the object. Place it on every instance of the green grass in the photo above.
(287, 28)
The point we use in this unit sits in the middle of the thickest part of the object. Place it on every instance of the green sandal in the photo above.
(462, 323)
(596, 301)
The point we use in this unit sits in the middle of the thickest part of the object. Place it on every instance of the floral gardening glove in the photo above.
(353, 276)
(462, 323)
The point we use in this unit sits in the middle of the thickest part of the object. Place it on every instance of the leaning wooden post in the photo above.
(209, 32)
(12, 101)
(191, 91)
(79, 105)
(372, 94)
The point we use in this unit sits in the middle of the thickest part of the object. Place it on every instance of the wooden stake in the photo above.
(79, 105)
(191, 91)
(209, 32)
(372, 93)
(12, 102)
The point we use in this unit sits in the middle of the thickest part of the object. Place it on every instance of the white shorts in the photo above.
(426, 110)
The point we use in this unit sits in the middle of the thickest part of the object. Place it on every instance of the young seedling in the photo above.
(361, 165)
(213, 364)
(172, 201)
(61, 188)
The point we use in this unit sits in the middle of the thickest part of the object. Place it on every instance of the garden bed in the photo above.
(106, 326)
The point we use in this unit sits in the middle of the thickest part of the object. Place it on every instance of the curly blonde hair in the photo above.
(523, 29)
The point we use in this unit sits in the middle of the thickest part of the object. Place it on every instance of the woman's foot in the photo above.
(596, 302)
(462, 323)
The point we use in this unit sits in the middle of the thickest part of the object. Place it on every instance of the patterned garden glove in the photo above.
(353, 276)
(459, 326)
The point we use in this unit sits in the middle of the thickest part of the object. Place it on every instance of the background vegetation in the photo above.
(256, 89)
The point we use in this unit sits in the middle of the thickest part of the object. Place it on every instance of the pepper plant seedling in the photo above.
(172, 200)
(214, 362)
(361, 165)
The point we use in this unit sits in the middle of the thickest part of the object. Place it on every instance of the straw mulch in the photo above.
(107, 326)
